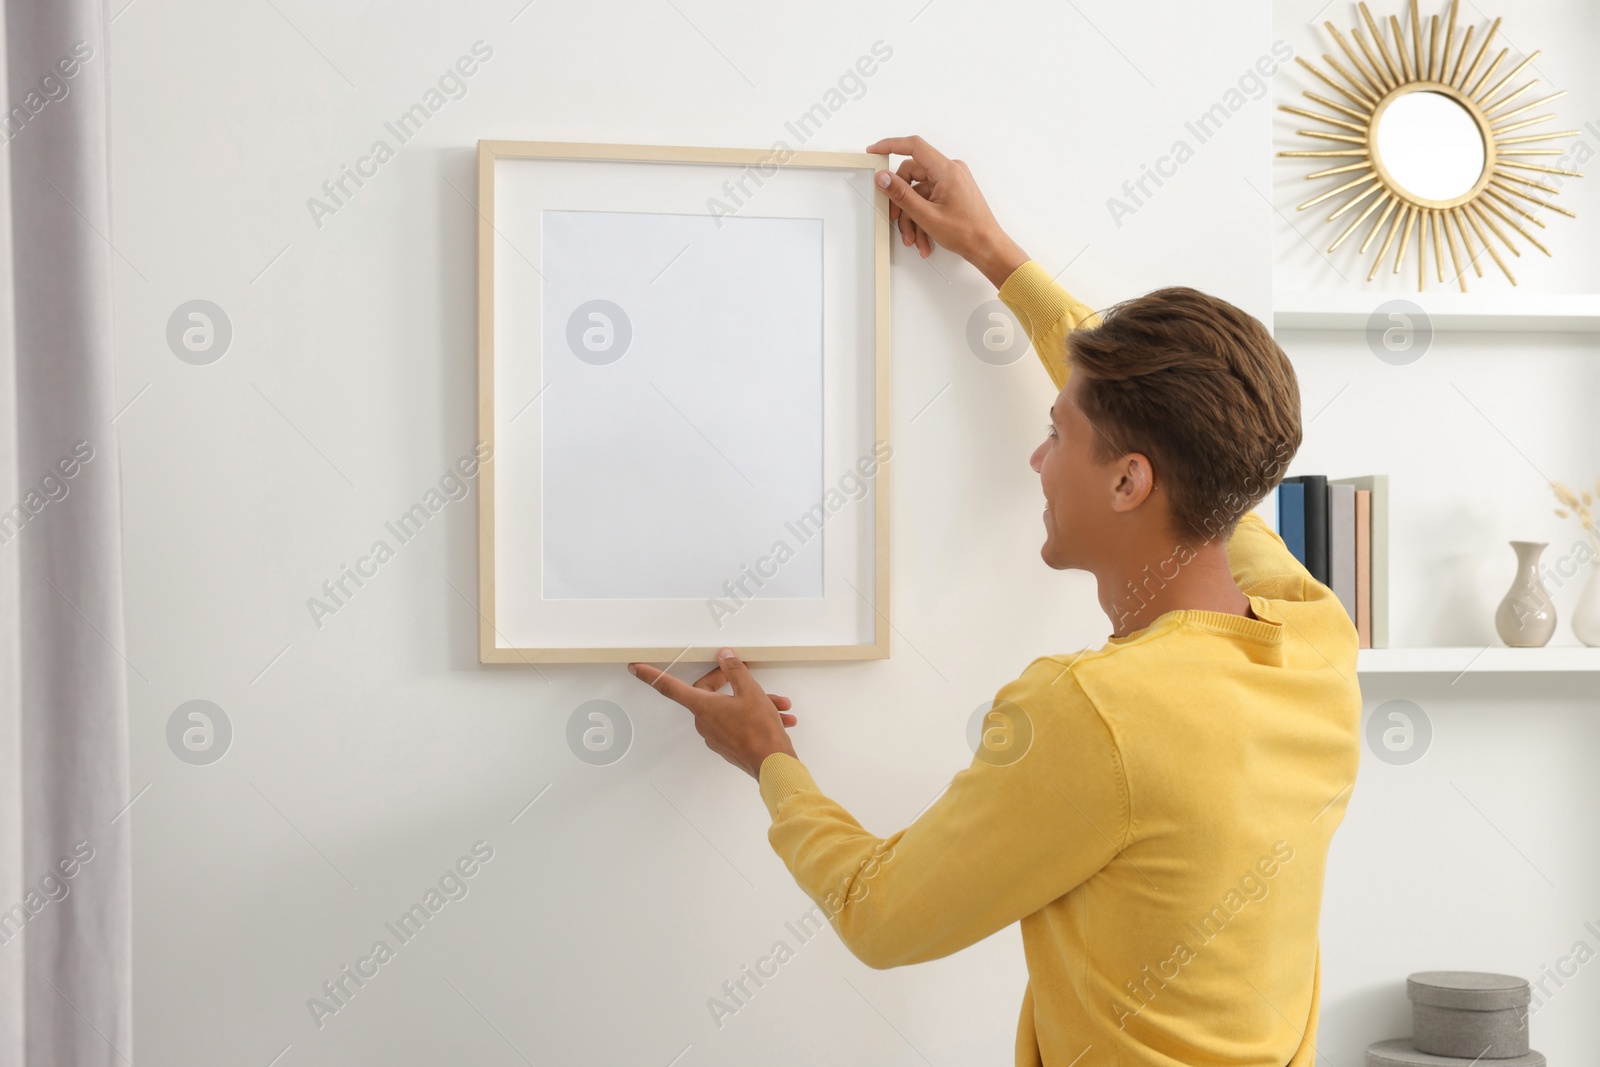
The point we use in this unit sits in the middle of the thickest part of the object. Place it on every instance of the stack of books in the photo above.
(1339, 528)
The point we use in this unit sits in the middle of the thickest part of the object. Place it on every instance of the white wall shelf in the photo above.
(1527, 312)
(1494, 659)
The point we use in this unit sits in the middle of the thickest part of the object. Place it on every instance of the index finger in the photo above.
(915, 147)
(673, 688)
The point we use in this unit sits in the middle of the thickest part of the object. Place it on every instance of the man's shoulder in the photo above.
(1051, 675)
(1050, 689)
(1064, 727)
(1117, 654)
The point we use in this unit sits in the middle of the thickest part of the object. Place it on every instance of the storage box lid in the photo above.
(1468, 990)
(1399, 1052)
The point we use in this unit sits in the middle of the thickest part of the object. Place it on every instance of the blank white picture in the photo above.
(682, 404)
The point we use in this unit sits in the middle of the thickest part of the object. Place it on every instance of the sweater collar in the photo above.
(1267, 628)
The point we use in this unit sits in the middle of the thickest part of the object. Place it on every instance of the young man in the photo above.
(1156, 812)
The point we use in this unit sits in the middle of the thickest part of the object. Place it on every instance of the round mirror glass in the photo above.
(1430, 145)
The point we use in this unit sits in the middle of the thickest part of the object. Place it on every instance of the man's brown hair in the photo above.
(1200, 388)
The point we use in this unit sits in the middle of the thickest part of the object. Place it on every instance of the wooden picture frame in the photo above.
(508, 611)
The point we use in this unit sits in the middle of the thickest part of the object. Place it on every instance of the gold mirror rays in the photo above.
(1477, 222)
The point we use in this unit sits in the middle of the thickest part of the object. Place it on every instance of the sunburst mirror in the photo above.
(1437, 156)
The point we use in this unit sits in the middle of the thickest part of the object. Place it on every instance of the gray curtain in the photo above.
(65, 923)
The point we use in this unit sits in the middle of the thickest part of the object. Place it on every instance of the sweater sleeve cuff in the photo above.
(1048, 312)
(782, 776)
(1032, 294)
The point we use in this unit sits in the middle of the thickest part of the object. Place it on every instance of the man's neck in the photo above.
(1136, 590)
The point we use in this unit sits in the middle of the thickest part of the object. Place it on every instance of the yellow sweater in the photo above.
(1159, 823)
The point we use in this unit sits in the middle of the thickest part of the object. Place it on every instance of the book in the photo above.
(1378, 564)
(1267, 509)
(1316, 523)
(1364, 567)
(1292, 518)
(1342, 545)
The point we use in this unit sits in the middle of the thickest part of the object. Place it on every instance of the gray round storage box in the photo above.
(1469, 1014)
(1399, 1052)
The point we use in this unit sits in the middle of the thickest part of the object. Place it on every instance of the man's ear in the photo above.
(1134, 481)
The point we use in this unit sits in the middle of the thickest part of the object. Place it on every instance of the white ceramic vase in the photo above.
(1526, 617)
(1586, 613)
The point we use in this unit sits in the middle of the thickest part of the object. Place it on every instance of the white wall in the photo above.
(371, 753)
(1479, 855)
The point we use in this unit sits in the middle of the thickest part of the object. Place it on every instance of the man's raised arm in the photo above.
(1048, 312)
(933, 200)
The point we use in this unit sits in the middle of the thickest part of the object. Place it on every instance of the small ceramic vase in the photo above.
(1586, 615)
(1527, 616)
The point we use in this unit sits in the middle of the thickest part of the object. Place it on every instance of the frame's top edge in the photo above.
(642, 153)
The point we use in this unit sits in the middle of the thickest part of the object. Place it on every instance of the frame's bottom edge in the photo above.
(753, 655)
